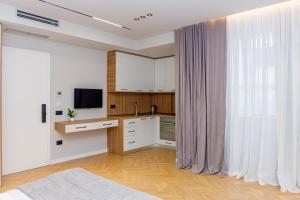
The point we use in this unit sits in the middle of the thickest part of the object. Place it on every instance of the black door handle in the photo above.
(44, 113)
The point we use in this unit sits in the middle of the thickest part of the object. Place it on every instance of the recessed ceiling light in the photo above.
(149, 14)
(142, 17)
(137, 19)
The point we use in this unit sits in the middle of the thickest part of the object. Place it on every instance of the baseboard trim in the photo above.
(78, 156)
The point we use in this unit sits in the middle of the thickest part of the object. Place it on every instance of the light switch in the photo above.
(59, 112)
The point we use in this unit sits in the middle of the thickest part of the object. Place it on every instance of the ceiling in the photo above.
(167, 14)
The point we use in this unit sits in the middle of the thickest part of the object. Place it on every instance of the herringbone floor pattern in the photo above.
(153, 171)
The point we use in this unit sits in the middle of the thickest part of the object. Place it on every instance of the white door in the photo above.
(26, 86)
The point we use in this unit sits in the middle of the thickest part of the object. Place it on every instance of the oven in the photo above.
(167, 131)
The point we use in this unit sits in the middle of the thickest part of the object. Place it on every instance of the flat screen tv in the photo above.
(87, 98)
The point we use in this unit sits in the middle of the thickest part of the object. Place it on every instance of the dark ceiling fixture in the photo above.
(84, 14)
(143, 17)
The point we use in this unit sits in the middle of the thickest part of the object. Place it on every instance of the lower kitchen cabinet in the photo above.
(131, 142)
(147, 131)
(133, 134)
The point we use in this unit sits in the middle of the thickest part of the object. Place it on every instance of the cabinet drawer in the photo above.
(168, 143)
(107, 124)
(131, 122)
(90, 126)
(130, 143)
(80, 127)
(130, 131)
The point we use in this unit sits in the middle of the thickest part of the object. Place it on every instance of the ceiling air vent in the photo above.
(37, 18)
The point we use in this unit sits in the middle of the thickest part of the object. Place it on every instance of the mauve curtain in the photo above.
(200, 96)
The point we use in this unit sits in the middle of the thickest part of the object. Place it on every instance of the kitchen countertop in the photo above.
(140, 116)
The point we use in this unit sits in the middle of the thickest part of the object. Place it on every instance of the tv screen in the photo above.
(87, 98)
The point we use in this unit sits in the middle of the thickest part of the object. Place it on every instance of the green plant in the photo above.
(71, 112)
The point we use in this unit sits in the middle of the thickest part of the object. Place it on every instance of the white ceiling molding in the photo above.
(78, 34)
(158, 40)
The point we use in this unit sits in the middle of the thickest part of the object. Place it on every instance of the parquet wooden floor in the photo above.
(153, 171)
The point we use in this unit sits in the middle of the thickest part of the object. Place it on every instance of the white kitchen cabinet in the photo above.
(131, 143)
(134, 73)
(139, 132)
(131, 134)
(165, 74)
(147, 133)
(145, 75)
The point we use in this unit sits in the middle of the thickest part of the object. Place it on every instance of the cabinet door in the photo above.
(170, 65)
(165, 74)
(146, 131)
(150, 133)
(134, 73)
(145, 74)
(160, 75)
(126, 66)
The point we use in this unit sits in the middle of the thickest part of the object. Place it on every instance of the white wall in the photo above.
(71, 67)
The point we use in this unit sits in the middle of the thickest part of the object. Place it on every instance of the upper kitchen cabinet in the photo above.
(165, 74)
(130, 73)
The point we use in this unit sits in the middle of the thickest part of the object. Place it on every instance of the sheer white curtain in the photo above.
(263, 96)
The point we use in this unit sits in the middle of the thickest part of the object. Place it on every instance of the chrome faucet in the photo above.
(136, 109)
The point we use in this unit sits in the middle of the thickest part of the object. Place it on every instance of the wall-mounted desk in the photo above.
(69, 127)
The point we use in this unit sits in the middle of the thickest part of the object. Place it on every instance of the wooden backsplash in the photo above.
(124, 103)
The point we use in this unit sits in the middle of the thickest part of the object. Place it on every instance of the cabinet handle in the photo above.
(131, 142)
(107, 124)
(150, 90)
(143, 118)
(133, 131)
(131, 123)
(80, 127)
(140, 90)
(168, 142)
(160, 90)
(124, 89)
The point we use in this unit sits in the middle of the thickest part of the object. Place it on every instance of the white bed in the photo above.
(13, 195)
(74, 184)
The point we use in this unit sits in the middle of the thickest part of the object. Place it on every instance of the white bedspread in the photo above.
(14, 195)
(79, 184)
